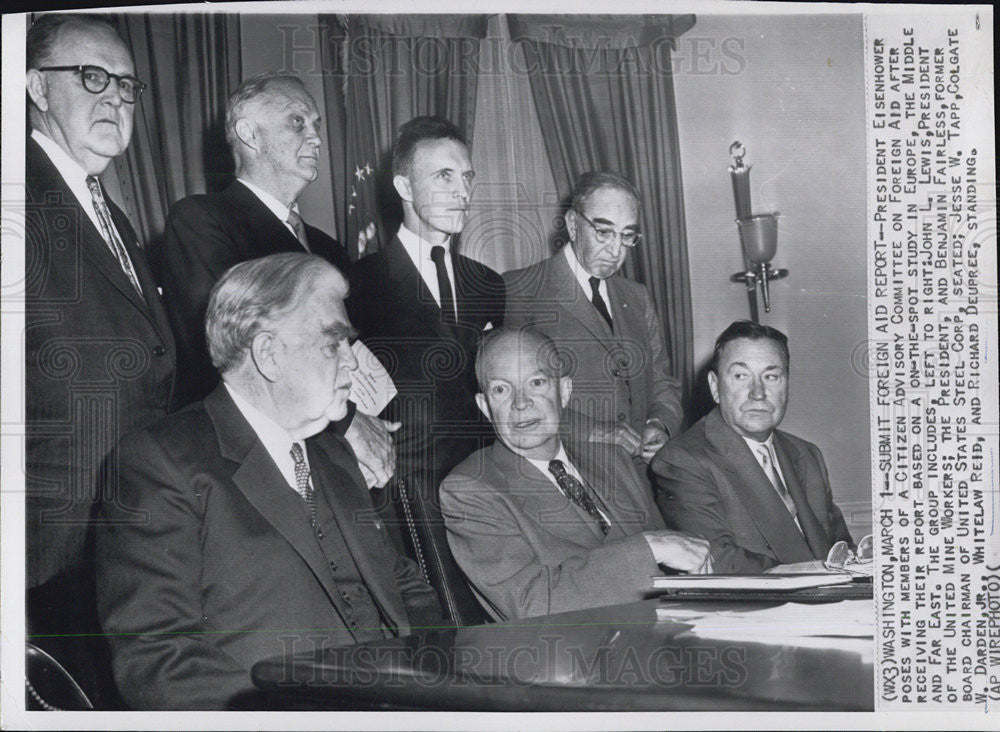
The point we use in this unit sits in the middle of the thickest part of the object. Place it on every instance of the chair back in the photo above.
(49, 685)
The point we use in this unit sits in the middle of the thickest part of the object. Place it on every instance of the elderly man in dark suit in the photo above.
(421, 306)
(543, 523)
(761, 496)
(99, 351)
(605, 323)
(241, 528)
(272, 126)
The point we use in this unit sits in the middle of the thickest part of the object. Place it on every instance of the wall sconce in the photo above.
(758, 236)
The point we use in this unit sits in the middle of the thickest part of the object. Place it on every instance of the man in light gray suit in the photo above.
(539, 522)
(604, 323)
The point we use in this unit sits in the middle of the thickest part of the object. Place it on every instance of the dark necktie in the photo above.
(110, 233)
(295, 221)
(577, 493)
(602, 307)
(798, 506)
(302, 480)
(444, 285)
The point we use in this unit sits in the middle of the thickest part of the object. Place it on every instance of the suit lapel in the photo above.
(795, 473)
(268, 227)
(613, 486)
(342, 491)
(409, 287)
(541, 500)
(762, 503)
(566, 291)
(626, 318)
(260, 481)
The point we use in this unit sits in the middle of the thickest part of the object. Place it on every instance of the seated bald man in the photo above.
(541, 522)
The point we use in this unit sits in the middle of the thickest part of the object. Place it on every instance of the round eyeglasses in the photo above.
(605, 235)
(96, 79)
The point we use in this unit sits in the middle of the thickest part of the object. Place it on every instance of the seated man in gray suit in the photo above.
(759, 495)
(606, 324)
(541, 523)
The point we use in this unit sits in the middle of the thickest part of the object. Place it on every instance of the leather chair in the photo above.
(427, 544)
(49, 686)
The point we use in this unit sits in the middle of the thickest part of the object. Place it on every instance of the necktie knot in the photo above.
(437, 254)
(295, 221)
(598, 300)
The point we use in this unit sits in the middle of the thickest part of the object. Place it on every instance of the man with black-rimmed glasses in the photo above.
(99, 353)
(605, 324)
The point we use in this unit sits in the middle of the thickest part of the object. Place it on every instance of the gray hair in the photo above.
(252, 295)
(589, 183)
(248, 91)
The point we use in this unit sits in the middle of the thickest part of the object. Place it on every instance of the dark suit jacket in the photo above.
(618, 376)
(431, 362)
(205, 235)
(529, 551)
(709, 483)
(99, 362)
(207, 561)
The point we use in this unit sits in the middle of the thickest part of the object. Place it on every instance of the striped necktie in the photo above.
(110, 233)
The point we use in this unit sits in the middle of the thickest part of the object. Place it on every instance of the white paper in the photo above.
(371, 385)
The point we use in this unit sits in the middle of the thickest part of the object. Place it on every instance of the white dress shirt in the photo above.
(755, 446)
(273, 436)
(419, 252)
(273, 204)
(583, 277)
(71, 172)
(543, 465)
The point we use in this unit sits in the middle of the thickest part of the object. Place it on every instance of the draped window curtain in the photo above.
(379, 72)
(191, 63)
(604, 95)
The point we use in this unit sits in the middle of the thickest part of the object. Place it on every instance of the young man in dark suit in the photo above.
(99, 351)
(242, 528)
(420, 306)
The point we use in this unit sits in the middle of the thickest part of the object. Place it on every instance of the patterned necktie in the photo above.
(110, 233)
(302, 480)
(577, 493)
(444, 285)
(776, 481)
(295, 221)
(602, 307)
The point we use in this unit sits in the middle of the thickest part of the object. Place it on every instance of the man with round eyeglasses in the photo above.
(606, 325)
(99, 353)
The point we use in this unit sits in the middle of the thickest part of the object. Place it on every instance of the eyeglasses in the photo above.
(96, 79)
(606, 235)
(842, 559)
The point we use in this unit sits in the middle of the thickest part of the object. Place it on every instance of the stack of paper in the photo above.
(738, 582)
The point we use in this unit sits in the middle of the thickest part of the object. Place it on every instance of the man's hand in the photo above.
(653, 438)
(680, 551)
(617, 434)
(372, 444)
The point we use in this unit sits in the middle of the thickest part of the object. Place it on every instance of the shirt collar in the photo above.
(543, 465)
(274, 437)
(582, 275)
(68, 168)
(754, 444)
(417, 247)
(273, 204)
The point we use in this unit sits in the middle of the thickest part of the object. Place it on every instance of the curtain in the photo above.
(379, 72)
(190, 62)
(604, 93)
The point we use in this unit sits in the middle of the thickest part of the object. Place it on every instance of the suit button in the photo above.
(617, 373)
(621, 416)
(333, 566)
(343, 594)
(159, 350)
